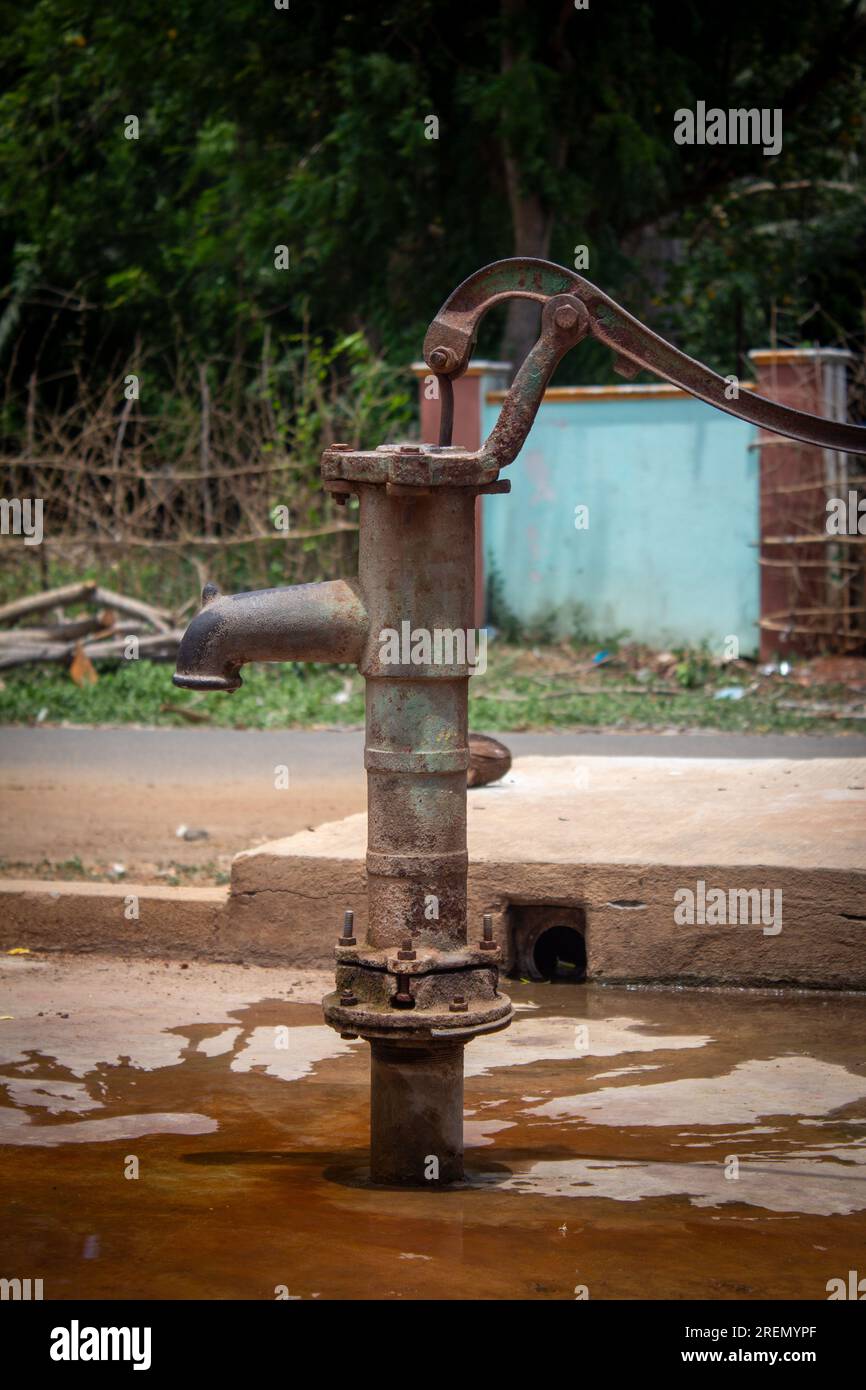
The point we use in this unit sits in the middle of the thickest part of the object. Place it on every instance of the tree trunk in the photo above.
(532, 226)
(531, 220)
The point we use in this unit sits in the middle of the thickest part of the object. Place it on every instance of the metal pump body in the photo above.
(424, 983)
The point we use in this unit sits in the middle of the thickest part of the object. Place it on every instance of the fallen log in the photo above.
(165, 643)
(91, 629)
(159, 618)
(60, 632)
(157, 645)
(49, 598)
(48, 651)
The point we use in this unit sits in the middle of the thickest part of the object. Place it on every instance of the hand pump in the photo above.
(424, 982)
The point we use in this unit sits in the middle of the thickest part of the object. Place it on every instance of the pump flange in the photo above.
(433, 993)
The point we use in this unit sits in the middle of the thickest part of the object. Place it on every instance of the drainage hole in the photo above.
(560, 954)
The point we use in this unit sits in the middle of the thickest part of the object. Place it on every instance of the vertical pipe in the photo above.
(417, 572)
(416, 568)
(416, 1114)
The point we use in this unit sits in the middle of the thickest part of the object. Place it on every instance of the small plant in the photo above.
(693, 669)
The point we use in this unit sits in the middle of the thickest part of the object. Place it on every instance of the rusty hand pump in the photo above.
(423, 983)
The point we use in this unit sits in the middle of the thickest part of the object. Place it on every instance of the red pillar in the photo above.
(469, 391)
(795, 483)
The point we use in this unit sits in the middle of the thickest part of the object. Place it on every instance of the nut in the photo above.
(442, 359)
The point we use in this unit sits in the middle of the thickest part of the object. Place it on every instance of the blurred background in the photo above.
(224, 229)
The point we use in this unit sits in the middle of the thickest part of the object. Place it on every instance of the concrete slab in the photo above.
(53, 915)
(621, 840)
(609, 843)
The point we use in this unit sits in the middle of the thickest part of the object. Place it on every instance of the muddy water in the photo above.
(632, 1143)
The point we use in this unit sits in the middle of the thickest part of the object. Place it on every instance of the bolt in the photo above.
(441, 359)
(565, 316)
(458, 1004)
(409, 449)
(487, 943)
(347, 999)
(342, 447)
(350, 1037)
(348, 937)
(403, 998)
(406, 951)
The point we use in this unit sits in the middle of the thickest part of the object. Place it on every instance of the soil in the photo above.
(96, 825)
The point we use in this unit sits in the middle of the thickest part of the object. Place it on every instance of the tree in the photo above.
(393, 150)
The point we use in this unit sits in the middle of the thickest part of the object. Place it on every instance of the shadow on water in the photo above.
(351, 1167)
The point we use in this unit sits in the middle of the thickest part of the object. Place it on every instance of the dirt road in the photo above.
(78, 801)
(120, 796)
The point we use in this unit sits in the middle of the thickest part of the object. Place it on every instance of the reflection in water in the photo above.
(720, 1152)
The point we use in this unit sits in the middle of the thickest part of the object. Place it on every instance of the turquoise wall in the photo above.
(670, 554)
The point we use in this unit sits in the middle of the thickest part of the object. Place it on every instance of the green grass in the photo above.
(520, 690)
(141, 692)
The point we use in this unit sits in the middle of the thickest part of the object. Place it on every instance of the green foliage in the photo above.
(694, 668)
(305, 128)
(512, 694)
(141, 692)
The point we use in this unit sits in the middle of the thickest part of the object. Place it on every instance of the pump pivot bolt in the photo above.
(565, 316)
(442, 359)
(406, 951)
(458, 1005)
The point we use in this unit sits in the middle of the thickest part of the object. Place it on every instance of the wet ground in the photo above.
(623, 1143)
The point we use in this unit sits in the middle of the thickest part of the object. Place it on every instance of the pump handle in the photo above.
(450, 340)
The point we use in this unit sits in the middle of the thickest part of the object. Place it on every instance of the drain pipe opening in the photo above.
(548, 942)
(560, 954)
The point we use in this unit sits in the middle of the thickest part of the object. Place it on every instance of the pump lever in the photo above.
(574, 308)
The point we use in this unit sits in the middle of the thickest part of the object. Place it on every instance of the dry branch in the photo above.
(197, 542)
(159, 618)
(51, 598)
(157, 645)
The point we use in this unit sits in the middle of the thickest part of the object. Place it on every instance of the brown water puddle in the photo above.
(601, 1125)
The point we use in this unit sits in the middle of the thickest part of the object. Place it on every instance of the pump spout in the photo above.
(307, 622)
